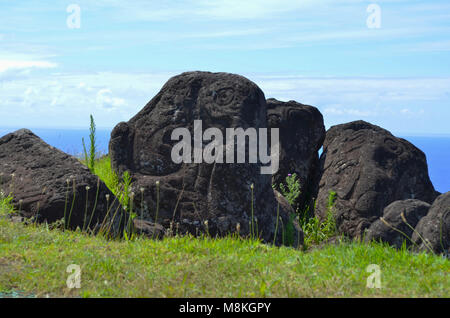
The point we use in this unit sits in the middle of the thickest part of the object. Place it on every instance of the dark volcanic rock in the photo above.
(413, 211)
(149, 229)
(369, 168)
(192, 193)
(45, 182)
(435, 227)
(302, 133)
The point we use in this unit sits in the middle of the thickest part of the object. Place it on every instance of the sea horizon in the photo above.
(435, 146)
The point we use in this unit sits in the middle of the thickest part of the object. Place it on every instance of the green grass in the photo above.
(34, 259)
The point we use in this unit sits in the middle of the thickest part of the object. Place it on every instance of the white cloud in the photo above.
(409, 105)
(355, 90)
(106, 99)
(23, 64)
(30, 97)
(67, 100)
(410, 113)
(342, 110)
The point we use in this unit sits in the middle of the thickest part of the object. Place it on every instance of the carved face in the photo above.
(218, 102)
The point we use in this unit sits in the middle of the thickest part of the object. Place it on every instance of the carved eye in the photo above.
(393, 146)
(224, 96)
(273, 120)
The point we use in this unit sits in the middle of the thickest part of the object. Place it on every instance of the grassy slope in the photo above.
(33, 260)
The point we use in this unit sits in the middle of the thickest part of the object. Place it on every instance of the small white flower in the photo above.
(88, 188)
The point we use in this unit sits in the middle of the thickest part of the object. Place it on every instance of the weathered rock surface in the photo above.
(198, 197)
(413, 211)
(302, 133)
(369, 168)
(46, 182)
(434, 228)
(149, 229)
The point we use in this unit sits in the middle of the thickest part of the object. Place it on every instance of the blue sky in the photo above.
(317, 52)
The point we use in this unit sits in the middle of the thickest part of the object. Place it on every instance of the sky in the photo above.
(388, 64)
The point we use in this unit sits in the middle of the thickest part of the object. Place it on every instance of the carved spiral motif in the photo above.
(224, 96)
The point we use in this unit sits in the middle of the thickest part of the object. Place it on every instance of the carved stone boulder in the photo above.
(369, 168)
(199, 197)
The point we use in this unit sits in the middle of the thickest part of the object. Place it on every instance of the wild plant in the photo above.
(276, 223)
(90, 156)
(291, 190)
(252, 224)
(125, 189)
(85, 210)
(74, 194)
(6, 206)
(315, 230)
(95, 202)
(66, 201)
(157, 206)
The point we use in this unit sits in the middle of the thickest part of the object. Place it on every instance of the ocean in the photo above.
(437, 149)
